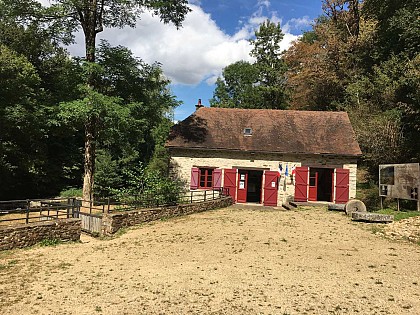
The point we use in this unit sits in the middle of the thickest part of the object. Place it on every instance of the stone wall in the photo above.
(25, 235)
(183, 160)
(112, 222)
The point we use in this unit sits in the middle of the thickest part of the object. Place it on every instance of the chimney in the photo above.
(198, 104)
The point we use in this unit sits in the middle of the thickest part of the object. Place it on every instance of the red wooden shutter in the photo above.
(195, 174)
(270, 188)
(301, 183)
(230, 182)
(217, 178)
(342, 179)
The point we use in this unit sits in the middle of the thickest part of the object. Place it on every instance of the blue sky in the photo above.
(231, 16)
(214, 35)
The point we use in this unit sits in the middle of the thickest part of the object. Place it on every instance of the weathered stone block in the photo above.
(372, 217)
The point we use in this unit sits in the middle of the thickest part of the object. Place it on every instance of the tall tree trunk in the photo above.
(90, 155)
(89, 29)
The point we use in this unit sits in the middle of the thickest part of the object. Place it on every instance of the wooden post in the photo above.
(205, 194)
(73, 201)
(28, 205)
(191, 197)
(382, 202)
(109, 201)
(398, 204)
(418, 199)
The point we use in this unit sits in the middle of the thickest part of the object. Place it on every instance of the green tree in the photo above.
(237, 89)
(92, 16)
(18, 120)
(41, 155)
(397, 26)
(255, 85)
(364, 59)
(270, 64)
(130, 107)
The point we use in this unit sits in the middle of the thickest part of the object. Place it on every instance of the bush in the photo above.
(148, 188)
(71, 192)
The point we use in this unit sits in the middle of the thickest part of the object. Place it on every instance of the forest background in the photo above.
(360, 56)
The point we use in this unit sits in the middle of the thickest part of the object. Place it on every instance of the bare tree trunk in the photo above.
(89, 28)
(90, 155)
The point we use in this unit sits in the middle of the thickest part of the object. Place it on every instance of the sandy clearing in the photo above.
(228, 261)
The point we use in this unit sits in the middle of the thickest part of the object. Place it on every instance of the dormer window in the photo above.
(248, 132)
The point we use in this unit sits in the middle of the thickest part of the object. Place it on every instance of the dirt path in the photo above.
(227, 261)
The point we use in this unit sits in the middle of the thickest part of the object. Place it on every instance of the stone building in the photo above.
(267, 156)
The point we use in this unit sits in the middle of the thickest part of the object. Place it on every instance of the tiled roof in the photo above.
(281, 131)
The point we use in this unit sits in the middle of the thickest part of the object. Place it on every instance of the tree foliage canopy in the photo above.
(46, 100)
(364, 59)
(255, 85)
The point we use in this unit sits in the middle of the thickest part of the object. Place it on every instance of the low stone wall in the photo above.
(112, 222)
(25, 235)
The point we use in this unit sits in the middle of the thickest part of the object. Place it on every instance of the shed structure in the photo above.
(267, 156)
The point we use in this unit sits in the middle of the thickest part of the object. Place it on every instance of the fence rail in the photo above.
(35, 210)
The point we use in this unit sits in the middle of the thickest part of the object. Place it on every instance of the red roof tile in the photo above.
(281, 131)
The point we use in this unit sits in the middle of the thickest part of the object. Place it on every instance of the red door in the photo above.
(313, 185)
(270, 188)
(342, 179)
(242, 185)
(230, 182)
(301, 183)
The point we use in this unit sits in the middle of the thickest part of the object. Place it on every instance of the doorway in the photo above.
(254, 186)
(250, 186)
(321, 184)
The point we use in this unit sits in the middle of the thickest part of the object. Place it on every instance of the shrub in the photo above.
(71, 192)
(148, 188)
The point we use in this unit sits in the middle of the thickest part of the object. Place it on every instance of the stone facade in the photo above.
(112, 222)
(25, 235)
(182, 160)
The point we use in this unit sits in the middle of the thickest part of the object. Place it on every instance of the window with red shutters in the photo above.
(206, 178)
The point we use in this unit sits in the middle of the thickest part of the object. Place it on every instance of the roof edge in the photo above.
(266, 152)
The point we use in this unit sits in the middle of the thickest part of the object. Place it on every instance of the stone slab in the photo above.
(372, 217)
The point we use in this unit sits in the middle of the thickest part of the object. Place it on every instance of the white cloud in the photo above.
(196, 52)
(297, 24)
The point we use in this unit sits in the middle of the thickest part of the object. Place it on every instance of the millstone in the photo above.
(371, 217)
(354, 205)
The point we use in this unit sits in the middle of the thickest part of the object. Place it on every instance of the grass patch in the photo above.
(50, 242)
(11, 263)
(399, 215)
(71, 192)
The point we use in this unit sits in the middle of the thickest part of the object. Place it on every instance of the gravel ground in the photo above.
(407, 229)
(228, 261)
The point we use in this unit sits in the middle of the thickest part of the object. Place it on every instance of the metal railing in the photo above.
(35, 210)
(145, 201)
